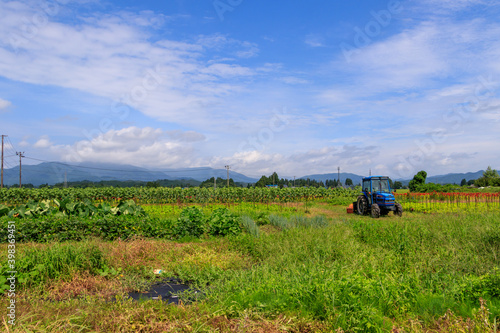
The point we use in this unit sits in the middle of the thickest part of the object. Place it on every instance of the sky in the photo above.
(296, 87)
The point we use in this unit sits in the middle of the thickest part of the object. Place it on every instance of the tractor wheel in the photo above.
(399, 209)
(375, 211)
(362, 205)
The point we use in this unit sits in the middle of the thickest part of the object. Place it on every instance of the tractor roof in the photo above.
(371, 177)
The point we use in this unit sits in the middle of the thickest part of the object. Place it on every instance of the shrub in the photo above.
(190, 223)
(222, 223)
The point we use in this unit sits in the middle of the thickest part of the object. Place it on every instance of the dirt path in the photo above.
(327, 210)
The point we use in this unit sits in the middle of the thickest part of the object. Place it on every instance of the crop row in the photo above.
(449, 202)
(147, 195)
(192, 222)
(67, 207)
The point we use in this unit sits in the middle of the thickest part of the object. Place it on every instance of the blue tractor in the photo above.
(377, 198)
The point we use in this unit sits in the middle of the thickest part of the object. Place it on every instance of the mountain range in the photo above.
(55, 172)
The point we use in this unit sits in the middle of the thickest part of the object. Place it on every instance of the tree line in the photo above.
(490, 177)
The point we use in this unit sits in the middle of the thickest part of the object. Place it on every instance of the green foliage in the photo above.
(162, 195)
(490, 173)
(263, 181)
(432, 187)
(220, 182)
(68, 207)
(356, 275)
(284, 182)
(153, 184)
(191, 222)
(262, 219)
(297, 221)
(38, 265)
(397, 185)
(418, 179)
(490, 178)
(483, 286)
(418, 273)
(280, 222)
(448, 202)
(222, 223)
(250, 226)
(59, 228)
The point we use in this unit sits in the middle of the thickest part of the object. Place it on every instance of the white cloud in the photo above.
(430, 54)
(24, 141)
(137, 146)
(314, 40)
(406, 60)
(241, 49)
(359, 115)
(114, 56)
(326, 159)
(4, 104)
(43, 142)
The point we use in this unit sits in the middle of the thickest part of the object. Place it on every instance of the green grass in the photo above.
(359, 272)
(314, 272)
(36, 265)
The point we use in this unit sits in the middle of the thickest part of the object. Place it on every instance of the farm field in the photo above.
(281, 261)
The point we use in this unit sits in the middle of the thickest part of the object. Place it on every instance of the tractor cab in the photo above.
(377, 189)
(377, 197)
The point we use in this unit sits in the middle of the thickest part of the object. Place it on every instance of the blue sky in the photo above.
(289, 86)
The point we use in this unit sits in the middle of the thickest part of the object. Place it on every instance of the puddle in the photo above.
(164, 290)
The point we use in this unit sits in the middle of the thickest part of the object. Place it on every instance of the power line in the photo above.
(10, 147)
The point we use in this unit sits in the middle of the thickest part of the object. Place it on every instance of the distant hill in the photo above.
(133, 183)
(202, 174)
(454, 178)
(55, 172)
(450, 178)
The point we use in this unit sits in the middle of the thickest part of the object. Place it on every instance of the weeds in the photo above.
(249, 226)
(297, 221)
(38, 265)
(419, 273)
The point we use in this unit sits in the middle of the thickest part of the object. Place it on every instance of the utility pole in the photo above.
(215, 184)
(1, 182)
(20, 156)
(273, 177)
(227, 169)
(293, 181)
(338, 177)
